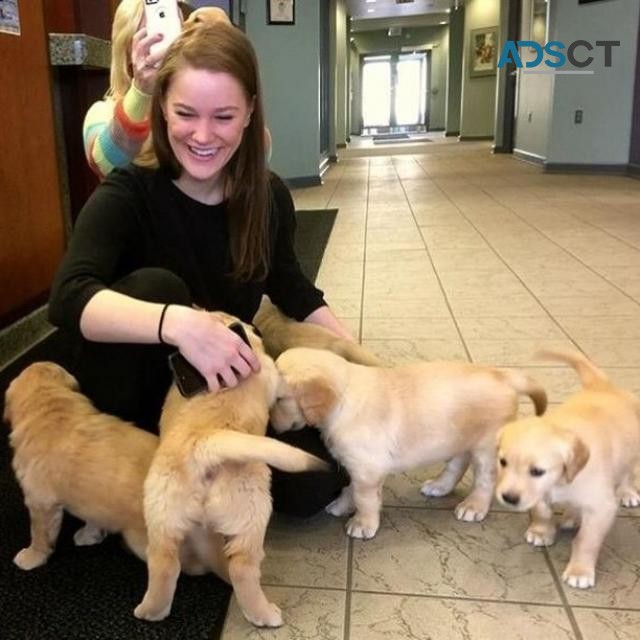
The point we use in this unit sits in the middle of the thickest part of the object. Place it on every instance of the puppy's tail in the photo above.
(233, 446)
(589, 374)
(526, 386)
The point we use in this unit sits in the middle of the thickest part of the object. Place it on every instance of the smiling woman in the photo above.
(210, 228)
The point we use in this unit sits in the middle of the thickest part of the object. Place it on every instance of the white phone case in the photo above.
(162, 16)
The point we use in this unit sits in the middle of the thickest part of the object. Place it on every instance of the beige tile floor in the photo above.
(446, 251)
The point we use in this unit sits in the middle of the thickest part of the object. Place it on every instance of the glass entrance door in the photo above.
(394, 92)
(376, 92)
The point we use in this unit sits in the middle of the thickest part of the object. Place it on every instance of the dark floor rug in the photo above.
(312, 233)
(89, 593)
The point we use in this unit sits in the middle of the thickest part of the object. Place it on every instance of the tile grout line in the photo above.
(433, 266)
(364, 255)
(348, 590)
(565, 603)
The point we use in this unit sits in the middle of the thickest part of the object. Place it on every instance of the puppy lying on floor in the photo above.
(377, 421)
(582, 454)
(280, 333)
(69, 455)
(211, 472)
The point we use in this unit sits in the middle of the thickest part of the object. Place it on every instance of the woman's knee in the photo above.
(154, 284)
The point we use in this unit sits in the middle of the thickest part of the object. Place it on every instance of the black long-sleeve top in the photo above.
(138, 218)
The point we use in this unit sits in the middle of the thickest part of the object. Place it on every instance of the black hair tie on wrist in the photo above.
(162, 314)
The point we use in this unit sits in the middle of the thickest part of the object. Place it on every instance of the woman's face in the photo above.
(206, 113)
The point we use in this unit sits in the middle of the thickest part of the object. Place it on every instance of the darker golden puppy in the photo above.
(210, 473)
(68, 455)
(581, 454)
(280, 333)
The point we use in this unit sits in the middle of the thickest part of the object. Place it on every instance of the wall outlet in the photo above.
(577, 116)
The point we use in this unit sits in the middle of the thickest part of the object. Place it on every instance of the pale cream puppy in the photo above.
(581, 454)
(280, 333)
(377, 421)
(210, 473)
(68, 455)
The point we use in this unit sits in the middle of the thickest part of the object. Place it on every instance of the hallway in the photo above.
(447, 251)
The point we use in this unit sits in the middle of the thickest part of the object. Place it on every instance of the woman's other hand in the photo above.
(219, 354)
(144, 63)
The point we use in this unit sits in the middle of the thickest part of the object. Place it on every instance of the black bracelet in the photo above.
(164, 310)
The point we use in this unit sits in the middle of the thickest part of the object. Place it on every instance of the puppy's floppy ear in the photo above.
(316, 398)
(576, 456)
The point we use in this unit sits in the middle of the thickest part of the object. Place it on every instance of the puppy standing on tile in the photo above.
(210, 474)
(581, 454)
(378, 421)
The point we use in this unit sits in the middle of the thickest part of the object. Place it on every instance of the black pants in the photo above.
(131, 381)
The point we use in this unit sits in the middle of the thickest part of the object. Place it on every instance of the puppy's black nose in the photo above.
(511, 498)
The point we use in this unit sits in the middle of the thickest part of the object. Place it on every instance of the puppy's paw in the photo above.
(340, 507)
(29, 558)
(358, 527)
(435, 488)
(540, 536)
(270, 617)
(146, 611)
(629, 497)
(579, 576)
(88, 535)
(472, 510)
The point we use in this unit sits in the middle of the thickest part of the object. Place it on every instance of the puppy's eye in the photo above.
(503, 462)
(536, 472)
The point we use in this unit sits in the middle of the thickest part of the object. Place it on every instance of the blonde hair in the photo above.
(126, 22)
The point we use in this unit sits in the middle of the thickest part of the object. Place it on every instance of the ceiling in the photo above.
(368, 15)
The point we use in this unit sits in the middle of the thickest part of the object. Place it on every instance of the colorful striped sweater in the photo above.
(115, 130)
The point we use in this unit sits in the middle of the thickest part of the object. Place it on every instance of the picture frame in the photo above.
(281, 12)
(483, 52)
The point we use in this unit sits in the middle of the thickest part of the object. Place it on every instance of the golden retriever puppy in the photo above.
(377, 421)
(581, 454)
(210, 472)
(280, 333)
(68, 455)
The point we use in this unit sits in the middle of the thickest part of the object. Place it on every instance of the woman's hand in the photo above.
(144, 63)
(325, 318)
(219, 354)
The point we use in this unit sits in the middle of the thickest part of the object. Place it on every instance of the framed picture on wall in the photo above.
(281, 11)
(483, 52)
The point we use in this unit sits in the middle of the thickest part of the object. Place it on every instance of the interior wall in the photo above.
(454, 71)
(534, 98)
(289, 66)
(31, 213)
(606, 97)
(478, 94)
(341, 104)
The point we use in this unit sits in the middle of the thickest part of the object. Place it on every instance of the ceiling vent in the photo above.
(404, 1)
(394, 32)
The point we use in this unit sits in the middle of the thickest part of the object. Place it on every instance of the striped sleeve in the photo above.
(115, 130)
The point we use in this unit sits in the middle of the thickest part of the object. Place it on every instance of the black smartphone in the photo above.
(188, 379)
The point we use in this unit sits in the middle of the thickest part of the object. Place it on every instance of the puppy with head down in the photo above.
(68, 455)
(377, 421)
(581, 454)
(210, 473)
(280, 333)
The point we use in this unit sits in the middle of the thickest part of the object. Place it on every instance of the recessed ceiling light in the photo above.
(444, 22)
(370, 1)
(448, 10)
(371, 10)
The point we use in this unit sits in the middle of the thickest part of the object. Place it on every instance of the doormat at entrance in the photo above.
(403, 141)
(391, 136)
